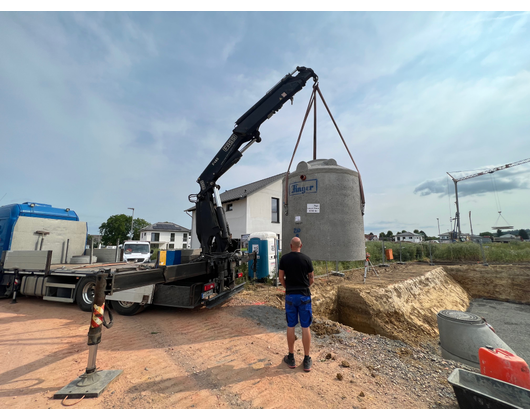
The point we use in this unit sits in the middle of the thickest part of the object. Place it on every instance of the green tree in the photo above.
(118, 228)
(138, 225)
(499, 233)
(389, 234)
(485, 234)
(523, 234)
(381, 235)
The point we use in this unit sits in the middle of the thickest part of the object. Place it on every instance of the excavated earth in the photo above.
(375, 345)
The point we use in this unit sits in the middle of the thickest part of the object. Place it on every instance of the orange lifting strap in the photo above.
(312, 102)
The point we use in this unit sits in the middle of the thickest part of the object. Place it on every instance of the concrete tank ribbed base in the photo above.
(324, 211)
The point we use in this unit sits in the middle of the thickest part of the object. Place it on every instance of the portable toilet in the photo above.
(266, 245)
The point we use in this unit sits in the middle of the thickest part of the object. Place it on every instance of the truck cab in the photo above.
(136, 251)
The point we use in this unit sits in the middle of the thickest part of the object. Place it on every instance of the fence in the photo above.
(458, 252)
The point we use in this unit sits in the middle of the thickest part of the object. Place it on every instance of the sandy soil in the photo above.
(226, 357)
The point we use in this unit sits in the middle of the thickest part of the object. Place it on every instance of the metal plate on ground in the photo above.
(100, 382)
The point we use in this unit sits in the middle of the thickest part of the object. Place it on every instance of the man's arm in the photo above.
(311, 277)
(282, 278)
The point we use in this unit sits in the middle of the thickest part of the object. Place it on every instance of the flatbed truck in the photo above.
(207, 279)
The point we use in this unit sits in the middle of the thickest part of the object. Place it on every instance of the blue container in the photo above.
(266, 245)
(173, 257)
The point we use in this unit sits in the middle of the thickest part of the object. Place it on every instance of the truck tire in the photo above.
(126, 308)
(84, 294)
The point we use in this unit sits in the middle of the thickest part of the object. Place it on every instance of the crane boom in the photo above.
(490, 171)
(486, 171)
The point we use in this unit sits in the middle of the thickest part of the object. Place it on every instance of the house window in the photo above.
(171, 246)
(184, 237)
(172, 237)
(229, 207)
(155, 237)
(275, 204)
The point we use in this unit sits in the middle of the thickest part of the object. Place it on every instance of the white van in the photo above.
(136, 251)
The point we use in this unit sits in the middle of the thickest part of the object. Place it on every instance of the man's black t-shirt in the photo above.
(296, 267)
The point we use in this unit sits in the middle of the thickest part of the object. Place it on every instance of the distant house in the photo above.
(447, 237)
(254, 207)
(477, 239)
(408, 237)
(371, 237)
(507, 238)
(166, 235)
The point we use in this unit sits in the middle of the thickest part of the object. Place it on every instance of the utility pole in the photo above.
(457, 216)
(438, 227)
(132, 221)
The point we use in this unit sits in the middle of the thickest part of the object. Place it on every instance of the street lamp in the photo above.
(132, 221)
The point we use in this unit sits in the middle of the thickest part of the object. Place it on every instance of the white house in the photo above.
(254, 207)
(408, 237)
(447, 237)
(166, 235)
(507, 238)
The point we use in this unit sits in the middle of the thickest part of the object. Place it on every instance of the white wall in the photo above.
(178, 242)
(250, 214)
(237, 218)
(259, 209)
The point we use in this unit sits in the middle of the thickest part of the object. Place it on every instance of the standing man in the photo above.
(296, 275)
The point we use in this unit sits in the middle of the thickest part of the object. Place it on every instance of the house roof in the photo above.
(408, 234)
(241, 192)
(164, 227)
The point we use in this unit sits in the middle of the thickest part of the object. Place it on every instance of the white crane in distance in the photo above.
(484, 172)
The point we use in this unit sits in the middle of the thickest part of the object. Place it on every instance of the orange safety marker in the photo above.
(97, 316)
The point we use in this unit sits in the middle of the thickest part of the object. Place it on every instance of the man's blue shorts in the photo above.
(298, 306)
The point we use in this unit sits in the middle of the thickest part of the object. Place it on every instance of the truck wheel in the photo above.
(84, 295)
(126, 308)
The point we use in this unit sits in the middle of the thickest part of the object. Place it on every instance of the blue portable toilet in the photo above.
(266, 245)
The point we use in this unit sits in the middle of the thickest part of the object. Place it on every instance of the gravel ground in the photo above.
(420, 370)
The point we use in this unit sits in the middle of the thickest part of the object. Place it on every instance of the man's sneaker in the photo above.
(307, 363)
(290, 361)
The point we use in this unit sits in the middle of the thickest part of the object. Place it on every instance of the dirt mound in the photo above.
(405, 309)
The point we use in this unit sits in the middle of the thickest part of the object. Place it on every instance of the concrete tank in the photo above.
(324, 211)
(462, 334)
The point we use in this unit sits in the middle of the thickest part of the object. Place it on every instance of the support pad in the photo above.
(88, 386)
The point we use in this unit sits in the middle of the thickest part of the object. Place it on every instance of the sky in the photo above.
(105, 111)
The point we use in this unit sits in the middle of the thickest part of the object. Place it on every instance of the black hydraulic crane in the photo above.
(212, 229)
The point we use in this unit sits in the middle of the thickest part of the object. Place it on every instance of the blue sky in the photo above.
(102, 111)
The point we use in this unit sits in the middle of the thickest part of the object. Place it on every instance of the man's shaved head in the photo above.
(296, 243)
